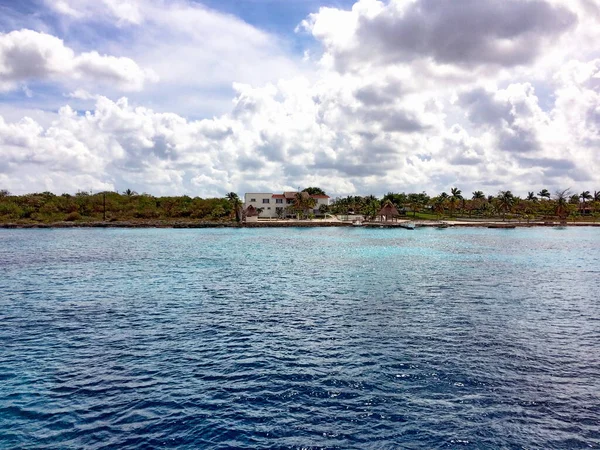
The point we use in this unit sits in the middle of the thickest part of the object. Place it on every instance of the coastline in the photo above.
(294, 224)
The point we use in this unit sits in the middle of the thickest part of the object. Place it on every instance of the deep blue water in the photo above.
(300, 338)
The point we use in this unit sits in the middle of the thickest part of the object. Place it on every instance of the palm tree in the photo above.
(531, 197)
(371, 209)
(477, 202)
(236, 205)
(544, 193)
(455, 196)
(310, 203)
(438, 203)
(585, 195)
(303, 202)
(505, 202)
(562, 208)
(414, 201)
(129, 193)
(597, 196)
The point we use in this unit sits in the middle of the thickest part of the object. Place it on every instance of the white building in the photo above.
(270, 202)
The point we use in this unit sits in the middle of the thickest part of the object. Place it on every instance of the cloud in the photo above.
(29, 55)
(124, 11)
(82, 94)
(296, 133)
(233, 108)
(472, 33)
(196, 52)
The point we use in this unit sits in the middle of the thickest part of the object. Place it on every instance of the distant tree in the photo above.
(455, 197)
(398, 200)
(217, 212)
(299, 204)
(4, 193)
(130, 193)
(236, 205)
(310, 203)
(585, 196)
(439, 203)
(314, 191)
(478, 195)
(544, 193)
(561, 208)
(505, 202)
(531, 197)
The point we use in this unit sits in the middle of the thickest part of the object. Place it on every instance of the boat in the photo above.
(408, 225)
(357, 223)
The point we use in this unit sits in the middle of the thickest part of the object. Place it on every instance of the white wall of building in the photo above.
(263, 200)
(269, 204)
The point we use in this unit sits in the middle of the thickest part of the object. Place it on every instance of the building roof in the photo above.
(388, 210)
(250, 211)
(278, 196)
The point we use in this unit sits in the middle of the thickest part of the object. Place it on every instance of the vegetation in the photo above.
(47, 207)
(543, 206)
(236, 205)
(302, 204)
(314, 191)
(130, 206)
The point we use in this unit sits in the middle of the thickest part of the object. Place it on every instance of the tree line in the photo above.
(563, 204)
(131, 206)
(110, 206)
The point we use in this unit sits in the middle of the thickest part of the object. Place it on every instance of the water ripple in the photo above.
(308, 338)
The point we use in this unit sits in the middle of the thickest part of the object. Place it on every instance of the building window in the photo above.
(265, 200)
(252, 199)
(269, 207)
(278, 200)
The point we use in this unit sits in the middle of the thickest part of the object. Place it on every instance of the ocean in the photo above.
(300, 338)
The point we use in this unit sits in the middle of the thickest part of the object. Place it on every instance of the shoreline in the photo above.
(294, 224)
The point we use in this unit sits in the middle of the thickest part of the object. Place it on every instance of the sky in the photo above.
(201, 98)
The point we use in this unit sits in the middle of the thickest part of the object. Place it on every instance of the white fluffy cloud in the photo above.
(472, 32)
(300, 133)
(124, 11)
(406, 95)
(196, 52)
(29, 55)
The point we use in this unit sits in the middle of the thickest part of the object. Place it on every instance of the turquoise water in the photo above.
(300, 338)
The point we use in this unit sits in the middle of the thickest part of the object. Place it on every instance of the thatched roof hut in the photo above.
(250, 214)
(250, 211)
(388, 212)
